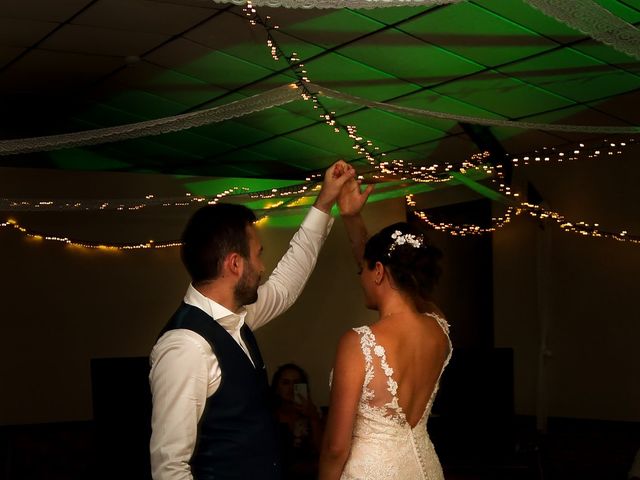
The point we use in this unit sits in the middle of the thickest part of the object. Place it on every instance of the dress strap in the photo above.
(441, 321)
(367, 342)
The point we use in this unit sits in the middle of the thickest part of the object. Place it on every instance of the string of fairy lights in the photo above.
(525, 208)
(515, 208)
(365, 148)
(151, 244)
(437, 173)
(382, 170)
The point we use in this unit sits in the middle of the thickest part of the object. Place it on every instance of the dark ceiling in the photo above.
(72, 65)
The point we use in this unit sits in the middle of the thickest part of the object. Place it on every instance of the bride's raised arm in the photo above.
(351, 200)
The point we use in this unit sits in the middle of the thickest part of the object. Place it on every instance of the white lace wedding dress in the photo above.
(384, 445)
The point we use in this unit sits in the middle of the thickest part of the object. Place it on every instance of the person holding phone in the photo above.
(300, 432)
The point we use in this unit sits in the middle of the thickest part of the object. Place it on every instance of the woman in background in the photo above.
(300, 428)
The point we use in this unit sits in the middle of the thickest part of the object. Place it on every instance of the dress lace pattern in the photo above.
(385, 446)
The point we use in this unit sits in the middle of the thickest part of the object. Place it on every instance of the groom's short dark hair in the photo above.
(212, 233)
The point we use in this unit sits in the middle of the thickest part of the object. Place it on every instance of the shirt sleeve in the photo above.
(179, 381)
(288, 279)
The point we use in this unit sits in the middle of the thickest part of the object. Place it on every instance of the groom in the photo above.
(211, 417)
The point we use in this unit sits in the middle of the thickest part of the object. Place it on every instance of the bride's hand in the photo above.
(351, 198)
(334, 179)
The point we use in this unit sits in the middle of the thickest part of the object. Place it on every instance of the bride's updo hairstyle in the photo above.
(405, 252)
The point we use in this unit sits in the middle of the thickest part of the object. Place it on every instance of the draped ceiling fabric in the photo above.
(239, 108)
(356, 4)
(406, 78)
(583, 15)
(257, 103)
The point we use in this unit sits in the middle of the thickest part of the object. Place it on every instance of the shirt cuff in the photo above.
(317, 221)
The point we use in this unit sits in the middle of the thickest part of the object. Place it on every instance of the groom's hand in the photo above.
(334, 179)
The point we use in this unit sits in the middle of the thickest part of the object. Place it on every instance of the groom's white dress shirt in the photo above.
(184, 369)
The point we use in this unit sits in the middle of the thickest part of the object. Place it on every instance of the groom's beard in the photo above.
(246, 290)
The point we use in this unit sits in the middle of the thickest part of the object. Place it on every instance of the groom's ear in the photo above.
(234, 264)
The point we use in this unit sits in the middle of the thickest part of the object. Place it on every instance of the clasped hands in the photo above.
(341, 185)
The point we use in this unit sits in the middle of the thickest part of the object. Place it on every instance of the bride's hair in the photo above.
(405, 252)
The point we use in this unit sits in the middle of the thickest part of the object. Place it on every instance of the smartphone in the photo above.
(300, 393)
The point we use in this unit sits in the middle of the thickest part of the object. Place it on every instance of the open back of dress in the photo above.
(385, 446)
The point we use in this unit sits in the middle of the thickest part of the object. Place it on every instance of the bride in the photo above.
(386, 375)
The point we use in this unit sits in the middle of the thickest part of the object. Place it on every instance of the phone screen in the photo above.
(300, 393)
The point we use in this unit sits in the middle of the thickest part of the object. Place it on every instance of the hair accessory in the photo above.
(400, 238)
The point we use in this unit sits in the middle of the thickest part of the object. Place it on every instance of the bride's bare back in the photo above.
(416, 348)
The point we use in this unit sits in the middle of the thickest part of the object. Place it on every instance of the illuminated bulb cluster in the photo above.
(464, 230)
(535, 211)
(120, 205)
(294, 190)
(364, 148)
(577, 152)
(274, 50)
(151, 244)
(579, 228)
(249, 12)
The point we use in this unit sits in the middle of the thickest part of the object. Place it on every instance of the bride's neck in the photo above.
(394, 305)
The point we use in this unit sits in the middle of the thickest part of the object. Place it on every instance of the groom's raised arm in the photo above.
(290, 276)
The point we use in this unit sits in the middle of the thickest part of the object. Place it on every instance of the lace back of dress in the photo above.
(379, 391)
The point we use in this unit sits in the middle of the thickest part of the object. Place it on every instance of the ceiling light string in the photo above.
(262, 214)
(432, 174)
(397, 167)
(463, 229)
(543, 156)
(122, 205)
(516, 208)
(577, 151)
(365, 148)
(151, 244)
(394, 167)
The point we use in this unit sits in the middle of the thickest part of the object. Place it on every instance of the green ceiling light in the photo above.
(214, 186)
(478, 187)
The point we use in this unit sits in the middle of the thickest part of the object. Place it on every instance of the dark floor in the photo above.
(572, 449)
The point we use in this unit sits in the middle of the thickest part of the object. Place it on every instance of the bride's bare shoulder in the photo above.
(433, 309)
